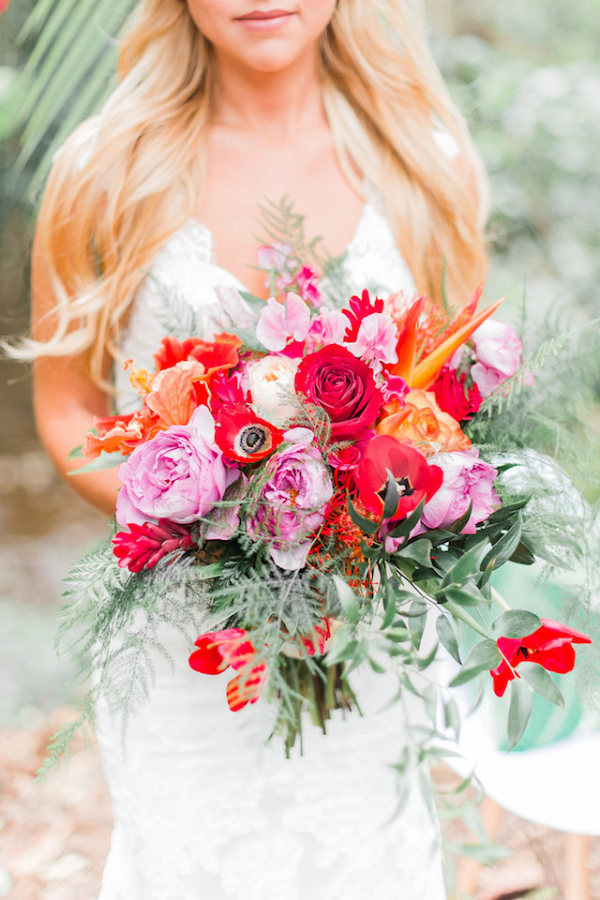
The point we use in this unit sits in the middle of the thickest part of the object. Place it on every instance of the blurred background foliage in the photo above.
(527, 76)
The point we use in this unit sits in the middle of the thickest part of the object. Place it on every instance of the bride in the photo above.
(221, 104)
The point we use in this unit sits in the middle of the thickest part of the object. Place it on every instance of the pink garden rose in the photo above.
(293, 501)
(499, 352)
(178, 475)
(466, 478)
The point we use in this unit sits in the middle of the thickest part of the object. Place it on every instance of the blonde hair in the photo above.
(109, 205)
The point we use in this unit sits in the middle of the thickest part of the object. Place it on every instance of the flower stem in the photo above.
(499, 599)
(459, 613)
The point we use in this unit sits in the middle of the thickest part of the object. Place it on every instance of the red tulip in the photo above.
(415, 479)
(217, 650)
(551, 646)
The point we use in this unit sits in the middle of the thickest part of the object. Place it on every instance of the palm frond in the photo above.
(69, 72)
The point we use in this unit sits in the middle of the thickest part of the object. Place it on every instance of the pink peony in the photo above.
(292, 502)
(466, 478)
(178, 475)
(499, 351)
(278, 322)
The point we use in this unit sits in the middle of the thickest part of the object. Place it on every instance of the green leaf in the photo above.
(519, 711)
(457, 526)
(405, 527)
(466, 566)
(542, 683)
(343, 646)
(483, 655)
(523, 555)
(104, 461)
(516, 623)
(419, 551)
(364, 524)
(469, 595)
(255, 303)
(348, 600)
(447, 636)
(416, 622)
(503, 549)
(390, 503)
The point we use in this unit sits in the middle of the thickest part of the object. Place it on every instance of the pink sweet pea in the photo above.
(278, 322)
(308, 284)
(376, 339)
(273, 256)
(327, 328)
(499, 352)
(466, 478)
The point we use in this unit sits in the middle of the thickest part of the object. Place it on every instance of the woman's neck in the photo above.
(279, 105)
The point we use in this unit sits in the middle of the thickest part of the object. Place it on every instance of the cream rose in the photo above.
(272, 388)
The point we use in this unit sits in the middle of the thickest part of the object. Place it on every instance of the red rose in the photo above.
(454, 397)
(341, 385)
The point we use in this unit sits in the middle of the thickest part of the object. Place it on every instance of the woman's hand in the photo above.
(66, 400)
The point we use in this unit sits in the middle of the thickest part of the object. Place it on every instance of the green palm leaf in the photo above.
(69, 72)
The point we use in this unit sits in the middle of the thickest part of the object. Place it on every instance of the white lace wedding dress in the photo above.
(204, 808)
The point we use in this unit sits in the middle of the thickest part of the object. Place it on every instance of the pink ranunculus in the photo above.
(292, 502)
(307, 280)
(278, 322)
(343, 386)
(466, 478)
(376, 339)
(178, 475)
(499, 352)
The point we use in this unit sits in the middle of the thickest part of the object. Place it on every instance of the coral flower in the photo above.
(217, 650)
(551, 646)
(415, 479)
(424, 425)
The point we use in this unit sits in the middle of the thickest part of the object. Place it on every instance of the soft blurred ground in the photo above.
(54, 835)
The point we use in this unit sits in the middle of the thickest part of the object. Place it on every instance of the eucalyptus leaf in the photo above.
(519, 711)
(104, 461)
(447, 636)
(542, 683)
(348, 599)
(516, 623)
(483, 655)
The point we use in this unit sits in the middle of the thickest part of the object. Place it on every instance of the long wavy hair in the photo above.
(128, 179)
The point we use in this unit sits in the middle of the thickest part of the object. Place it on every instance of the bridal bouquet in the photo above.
(309, 484)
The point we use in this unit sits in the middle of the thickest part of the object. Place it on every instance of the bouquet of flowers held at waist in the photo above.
(312, 475)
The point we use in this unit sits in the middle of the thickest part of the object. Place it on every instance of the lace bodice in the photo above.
(205, 809)
(186, 292)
